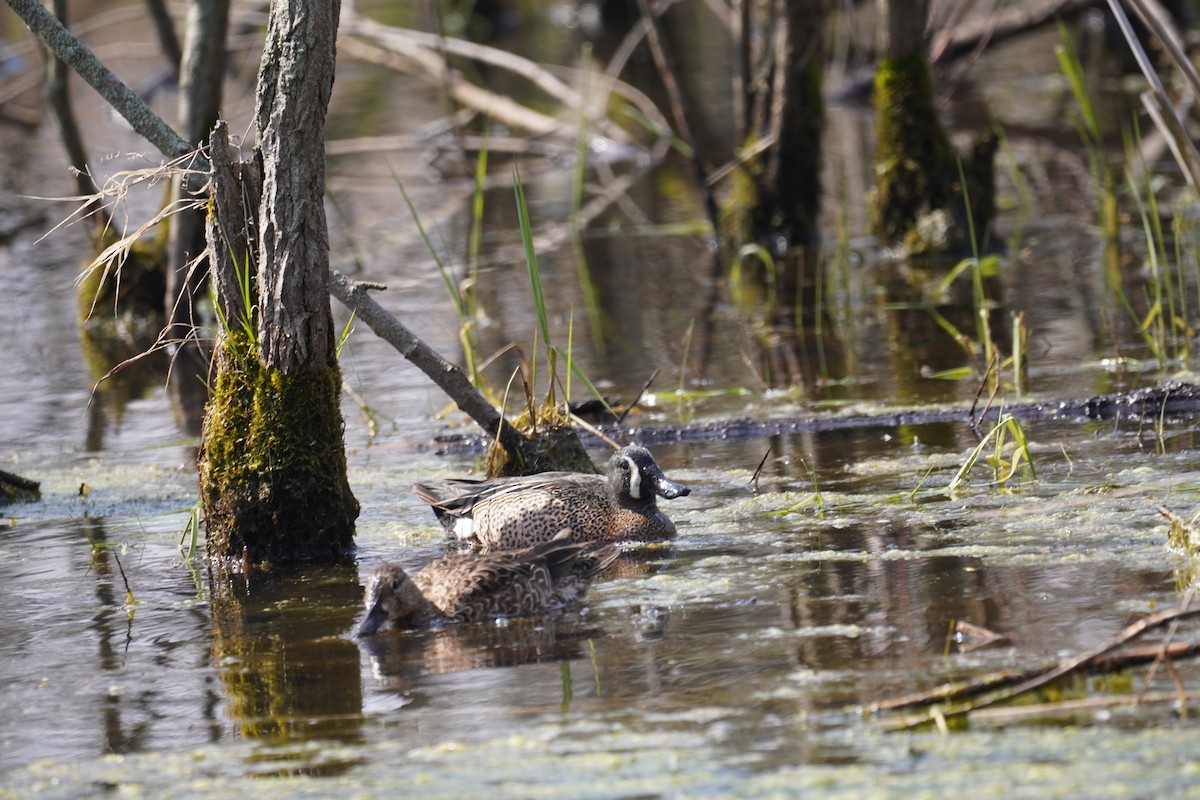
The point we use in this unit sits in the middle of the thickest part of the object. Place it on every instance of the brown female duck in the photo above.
(468, 587)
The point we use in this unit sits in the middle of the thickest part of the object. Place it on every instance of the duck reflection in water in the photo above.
(402, 663)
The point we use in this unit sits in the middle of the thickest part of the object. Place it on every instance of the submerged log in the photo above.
(15, 489)
(1169, 401)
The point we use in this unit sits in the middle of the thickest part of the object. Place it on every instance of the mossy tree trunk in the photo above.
(272, 467)
(920, 200)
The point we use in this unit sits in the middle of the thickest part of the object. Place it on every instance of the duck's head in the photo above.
(391, 596)
(633, 474)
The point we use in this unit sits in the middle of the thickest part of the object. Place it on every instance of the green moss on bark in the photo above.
(137, 286)
(919, 198)
(273, 465)
(552, 445)
(914, 162)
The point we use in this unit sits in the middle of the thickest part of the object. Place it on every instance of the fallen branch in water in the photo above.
(1041, 711)
(965, 697)
(533, 453)
(14, 488)
(449, 377)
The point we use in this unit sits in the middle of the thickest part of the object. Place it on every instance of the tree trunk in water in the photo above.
(58, 97)
(769, 214)
(272, 468)
(776, 199)
(202, 71)
(920, 200)
(294, 83)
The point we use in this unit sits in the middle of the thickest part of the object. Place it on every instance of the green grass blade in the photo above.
(535, 278)
(451, 288)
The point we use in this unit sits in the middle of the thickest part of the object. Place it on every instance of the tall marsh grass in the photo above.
(1160, 311)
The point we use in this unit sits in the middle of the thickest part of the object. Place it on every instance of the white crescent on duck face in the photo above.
(635, 478)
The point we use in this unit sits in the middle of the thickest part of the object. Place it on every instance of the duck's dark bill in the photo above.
(669, 489)
(371, 622)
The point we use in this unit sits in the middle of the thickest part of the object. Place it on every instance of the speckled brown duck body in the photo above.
(469, 587)
(509, 513)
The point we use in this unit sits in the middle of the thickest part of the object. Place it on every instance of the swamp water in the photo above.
(733, 661)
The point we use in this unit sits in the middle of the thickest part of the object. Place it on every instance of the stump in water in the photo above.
(273, 464)
(548, 445)
(921, 200)
(273, 468)
(774, 197)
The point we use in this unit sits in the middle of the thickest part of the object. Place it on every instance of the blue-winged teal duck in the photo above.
(468, 587)
(508, 513)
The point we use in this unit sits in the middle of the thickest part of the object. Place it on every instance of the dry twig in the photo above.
(955, 698)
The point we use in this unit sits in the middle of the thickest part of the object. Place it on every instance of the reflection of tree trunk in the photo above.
(201, 76)
(273, 466)
(112, 624)
(286, 671)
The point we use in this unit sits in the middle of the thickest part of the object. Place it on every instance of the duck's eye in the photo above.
(396, 584)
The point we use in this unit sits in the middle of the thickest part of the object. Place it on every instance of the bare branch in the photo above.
(83, 61)
(448, 376)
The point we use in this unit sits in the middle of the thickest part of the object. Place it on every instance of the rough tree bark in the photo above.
(273, 467)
